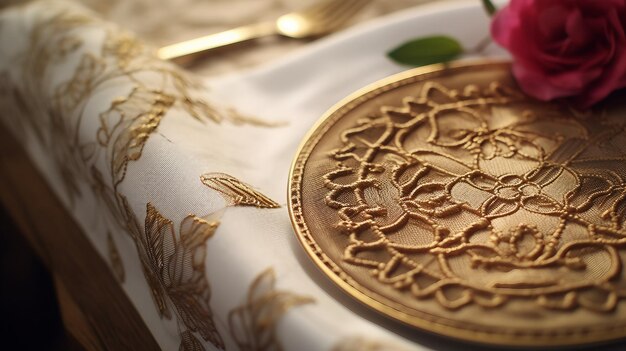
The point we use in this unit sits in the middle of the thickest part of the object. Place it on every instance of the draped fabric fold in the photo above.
(174, 187)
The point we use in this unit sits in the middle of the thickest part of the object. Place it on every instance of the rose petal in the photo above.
(504, 23)
(552, 22)
(534, 83)
(575, 80)
(579, 35)
(613, 78)
(565, 47)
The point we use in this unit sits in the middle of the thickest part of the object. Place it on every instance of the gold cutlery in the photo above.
(317, 20)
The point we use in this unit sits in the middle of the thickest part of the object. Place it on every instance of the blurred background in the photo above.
(30, 315)
(28, 301)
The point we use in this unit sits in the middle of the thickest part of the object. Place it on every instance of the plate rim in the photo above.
(383, 305)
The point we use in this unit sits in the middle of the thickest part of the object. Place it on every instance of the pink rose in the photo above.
(565, 48)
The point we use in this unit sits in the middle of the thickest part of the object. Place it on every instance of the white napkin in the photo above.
(132, 146)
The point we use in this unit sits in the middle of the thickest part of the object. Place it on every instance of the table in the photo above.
(94, 308)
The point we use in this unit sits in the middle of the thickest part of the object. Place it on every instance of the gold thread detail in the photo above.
(55, 111)
(253, 324)
(189, 342)
(428, 194)
(236, 192)
(173, 264)
(450, 178)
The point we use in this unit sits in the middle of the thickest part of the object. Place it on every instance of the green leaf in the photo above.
(489, 7)
(426, 51)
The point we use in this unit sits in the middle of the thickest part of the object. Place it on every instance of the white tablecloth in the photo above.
(180, 182)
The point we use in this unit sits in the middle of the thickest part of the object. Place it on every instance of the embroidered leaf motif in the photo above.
(81, 85)
(186, 282)
(188, 342)
(253, 324)
(156, 228)
(151, 269)
(57, 108)
(236, 192)
(124, 48)
(129, 122)
(174, 268)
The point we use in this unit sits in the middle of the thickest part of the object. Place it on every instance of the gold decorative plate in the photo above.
(445, 198)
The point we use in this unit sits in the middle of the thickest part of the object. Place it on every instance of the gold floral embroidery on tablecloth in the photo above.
(147, 89)
(236, 192)
(173, 263)
(253, 324)
(470, 197)
(55, 110)
(134, 118)
(189, 342)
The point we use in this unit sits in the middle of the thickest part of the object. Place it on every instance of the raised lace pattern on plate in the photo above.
(481, 196)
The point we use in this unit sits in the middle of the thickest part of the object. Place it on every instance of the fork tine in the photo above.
(343, 4)
(320, 7)
(347, 5)
(339, 15)
(316, 20)
(328, 7)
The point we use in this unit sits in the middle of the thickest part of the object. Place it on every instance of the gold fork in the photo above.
(319, 19)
